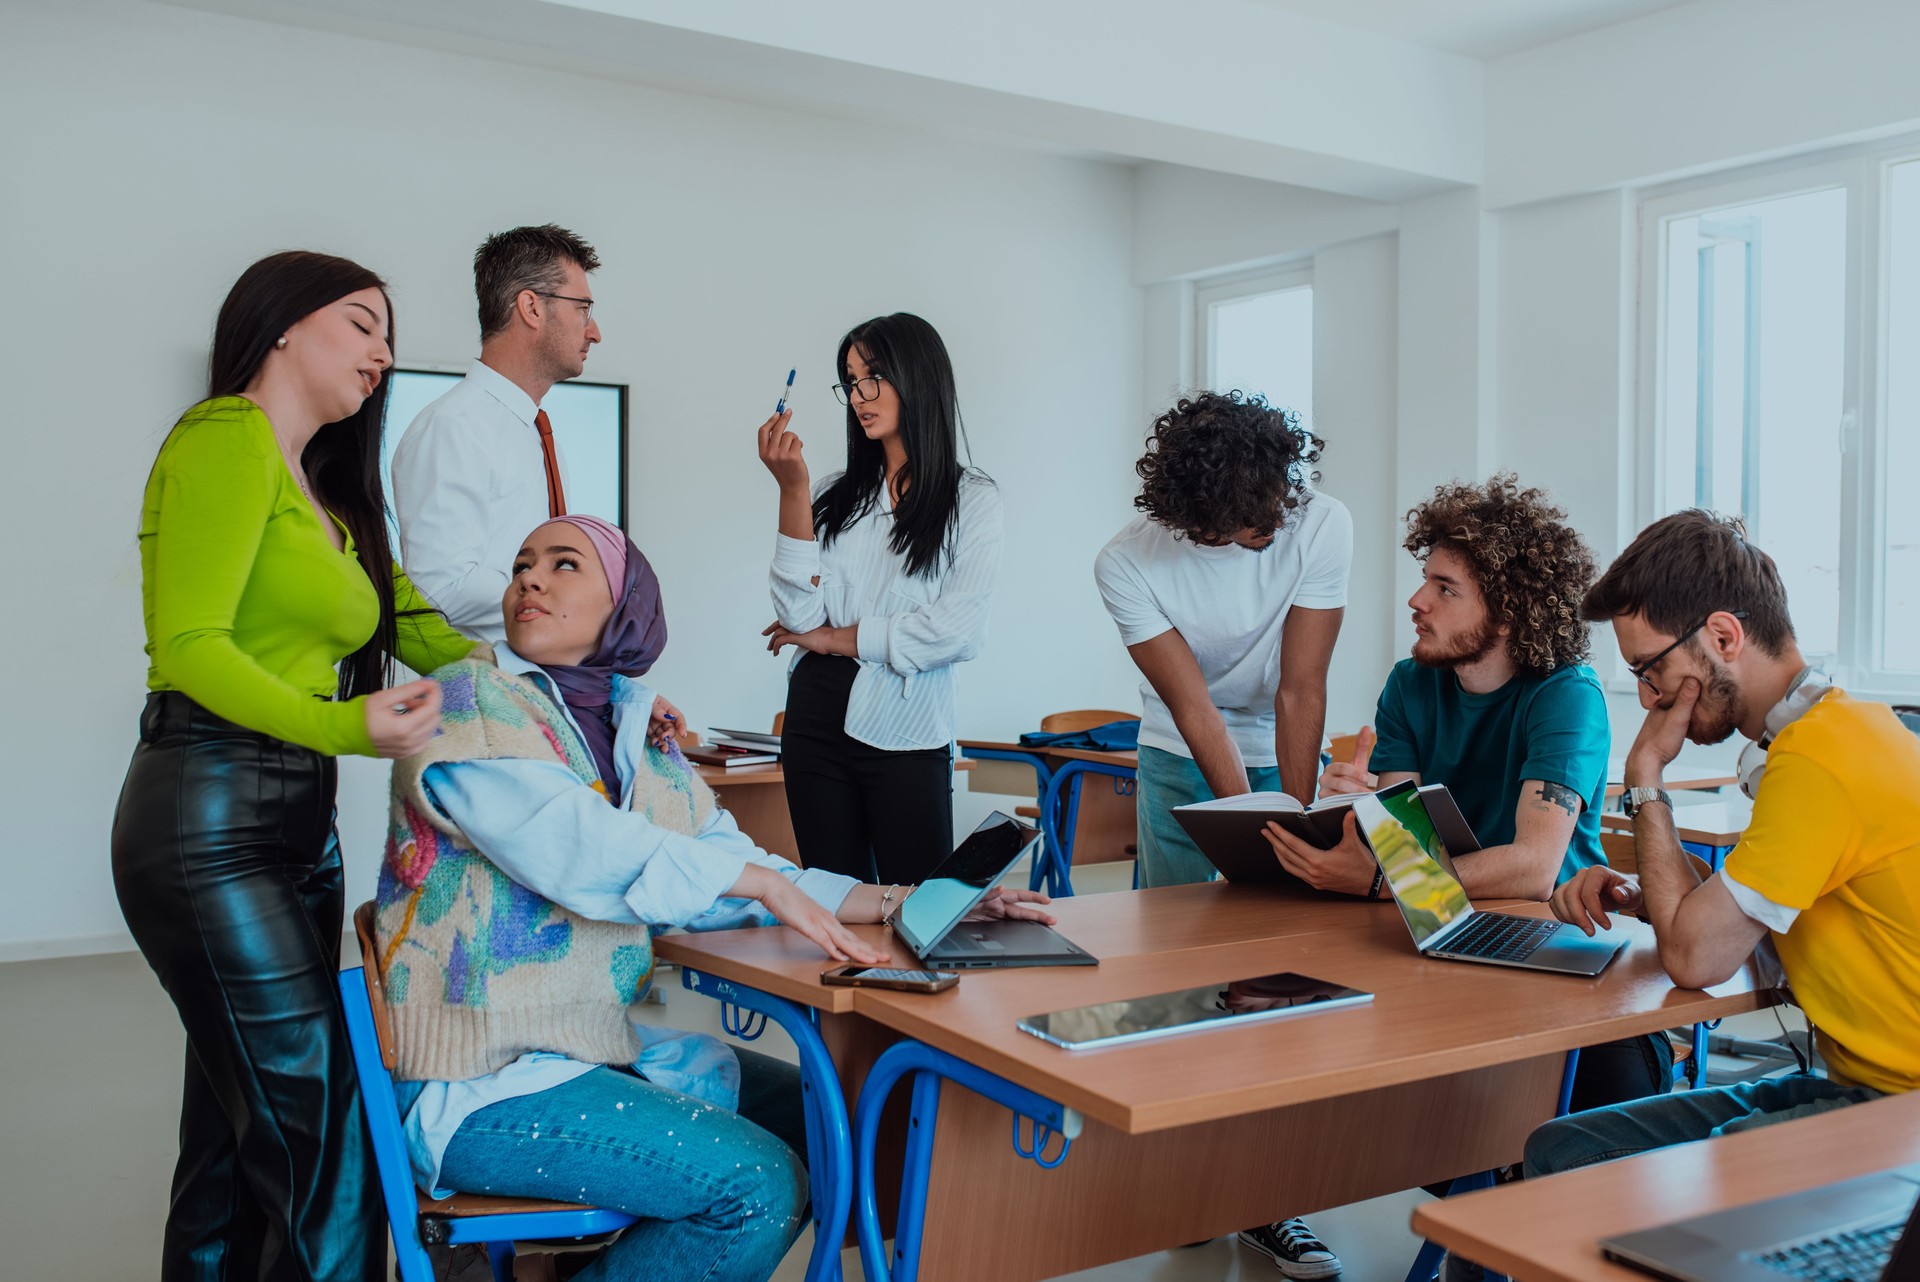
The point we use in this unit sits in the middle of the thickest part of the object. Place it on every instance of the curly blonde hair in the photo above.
(1532, 567)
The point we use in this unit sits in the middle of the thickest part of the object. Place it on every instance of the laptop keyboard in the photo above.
(1499, 936)
(1859, 1255)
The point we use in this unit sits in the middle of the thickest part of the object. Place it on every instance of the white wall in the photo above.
(1444, 430)
(155, 151)
(1189, 222)
(1355, 382)
(1694, 88)
(1327, 105)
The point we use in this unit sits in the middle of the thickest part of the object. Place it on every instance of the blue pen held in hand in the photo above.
(785, 392)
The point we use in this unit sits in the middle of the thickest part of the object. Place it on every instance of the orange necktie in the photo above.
(556, 497)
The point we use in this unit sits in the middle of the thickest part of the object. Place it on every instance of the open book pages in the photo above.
(1272, 802)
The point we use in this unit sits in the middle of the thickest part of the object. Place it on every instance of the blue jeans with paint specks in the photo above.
(720, 1194)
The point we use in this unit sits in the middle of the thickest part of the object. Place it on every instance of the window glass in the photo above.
(1754, 361)
(1900, 629)
(1264, 343)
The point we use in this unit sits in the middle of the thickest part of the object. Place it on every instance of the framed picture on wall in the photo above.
(589, 426)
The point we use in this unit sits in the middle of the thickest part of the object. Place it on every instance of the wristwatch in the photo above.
(1633, 798)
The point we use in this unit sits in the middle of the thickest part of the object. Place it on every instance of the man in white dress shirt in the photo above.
(478, 469)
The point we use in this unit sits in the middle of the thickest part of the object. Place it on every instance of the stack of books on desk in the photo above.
(729, 748)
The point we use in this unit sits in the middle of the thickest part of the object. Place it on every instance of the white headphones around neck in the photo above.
(1806, 690)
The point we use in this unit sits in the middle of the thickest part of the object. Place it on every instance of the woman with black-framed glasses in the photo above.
(882, 576)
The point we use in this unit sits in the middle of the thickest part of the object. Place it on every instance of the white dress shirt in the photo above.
(912, 628)
(469, 484)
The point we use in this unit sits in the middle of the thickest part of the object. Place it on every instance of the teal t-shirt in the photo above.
(1481, 746)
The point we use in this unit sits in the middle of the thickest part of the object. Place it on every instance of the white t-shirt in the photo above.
(1229, 605)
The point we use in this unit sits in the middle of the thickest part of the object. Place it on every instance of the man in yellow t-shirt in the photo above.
(1829, 867)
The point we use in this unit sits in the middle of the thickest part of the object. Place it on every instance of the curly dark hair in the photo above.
(1532, 567)
(1221, 462)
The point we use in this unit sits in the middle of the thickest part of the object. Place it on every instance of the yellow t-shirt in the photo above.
(1836, 835)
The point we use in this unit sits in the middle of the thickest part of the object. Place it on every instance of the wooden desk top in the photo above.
(997, 745)
(1679, 776)
(782, 962)
(1128, 758)
(1429, 1018)
(768, 773)
(1711, 823)
(1549, 1230)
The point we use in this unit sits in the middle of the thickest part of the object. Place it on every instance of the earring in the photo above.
(280, 342)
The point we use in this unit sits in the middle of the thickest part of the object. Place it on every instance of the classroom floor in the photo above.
(90, 1062)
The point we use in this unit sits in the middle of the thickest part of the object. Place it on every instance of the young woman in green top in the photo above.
(265, 564)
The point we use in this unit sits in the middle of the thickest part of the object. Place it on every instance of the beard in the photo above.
(1457, 651)
(1720, 709)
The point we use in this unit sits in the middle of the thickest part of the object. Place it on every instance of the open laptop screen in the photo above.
(1396, 827)
(961, 880)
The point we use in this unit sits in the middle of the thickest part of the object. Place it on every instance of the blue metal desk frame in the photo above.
(1060, 812)
(744, 1013)
(929, 1067)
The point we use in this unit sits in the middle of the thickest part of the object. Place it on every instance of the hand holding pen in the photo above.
(401, 720)
(665, 724)
(780, 448)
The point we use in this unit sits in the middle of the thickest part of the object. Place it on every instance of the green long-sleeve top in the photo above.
(248, 604)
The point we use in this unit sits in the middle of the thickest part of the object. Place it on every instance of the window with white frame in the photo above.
(1781, 328)
(1256, 336)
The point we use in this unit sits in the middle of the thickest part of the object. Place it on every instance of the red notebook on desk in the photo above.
(726, 755)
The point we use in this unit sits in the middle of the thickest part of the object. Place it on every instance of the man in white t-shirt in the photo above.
(478, 468)
(1228, 592)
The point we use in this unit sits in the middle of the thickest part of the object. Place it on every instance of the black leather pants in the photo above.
(228, 871)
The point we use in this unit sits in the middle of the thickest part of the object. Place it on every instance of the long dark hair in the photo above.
(908, 353)
(343, 458)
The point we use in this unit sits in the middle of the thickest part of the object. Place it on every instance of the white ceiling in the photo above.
(1476, 28)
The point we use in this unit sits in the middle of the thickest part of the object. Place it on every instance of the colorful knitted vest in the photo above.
(478, 969)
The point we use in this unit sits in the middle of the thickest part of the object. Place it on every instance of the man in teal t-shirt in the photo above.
(1497, 704)
(1549, 730)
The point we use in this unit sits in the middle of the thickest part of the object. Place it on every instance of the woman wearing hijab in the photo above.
(533, 845)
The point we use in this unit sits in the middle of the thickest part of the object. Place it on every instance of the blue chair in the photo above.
(417, 1220)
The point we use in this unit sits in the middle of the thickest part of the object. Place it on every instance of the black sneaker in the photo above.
(1293, 1248)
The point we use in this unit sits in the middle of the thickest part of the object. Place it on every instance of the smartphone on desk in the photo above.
(906, 981)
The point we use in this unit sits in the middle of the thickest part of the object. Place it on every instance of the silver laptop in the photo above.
(931, 920)
(1858, 1231)
(1395, 827)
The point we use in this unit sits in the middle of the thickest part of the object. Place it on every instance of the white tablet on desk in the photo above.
(1216, 1005)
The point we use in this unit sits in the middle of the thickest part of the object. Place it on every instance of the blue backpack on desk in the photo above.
(1115, 736)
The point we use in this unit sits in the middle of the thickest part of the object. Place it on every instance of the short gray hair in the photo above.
(524, 258)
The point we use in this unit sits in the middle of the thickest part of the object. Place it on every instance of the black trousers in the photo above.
(228, 871)
(1629, 1069)
(881, 816)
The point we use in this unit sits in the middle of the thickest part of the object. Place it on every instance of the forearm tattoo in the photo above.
(1558, 794)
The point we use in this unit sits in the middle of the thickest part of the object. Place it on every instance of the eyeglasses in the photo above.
(586, 304)
(1640, 671)
(861, 389)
